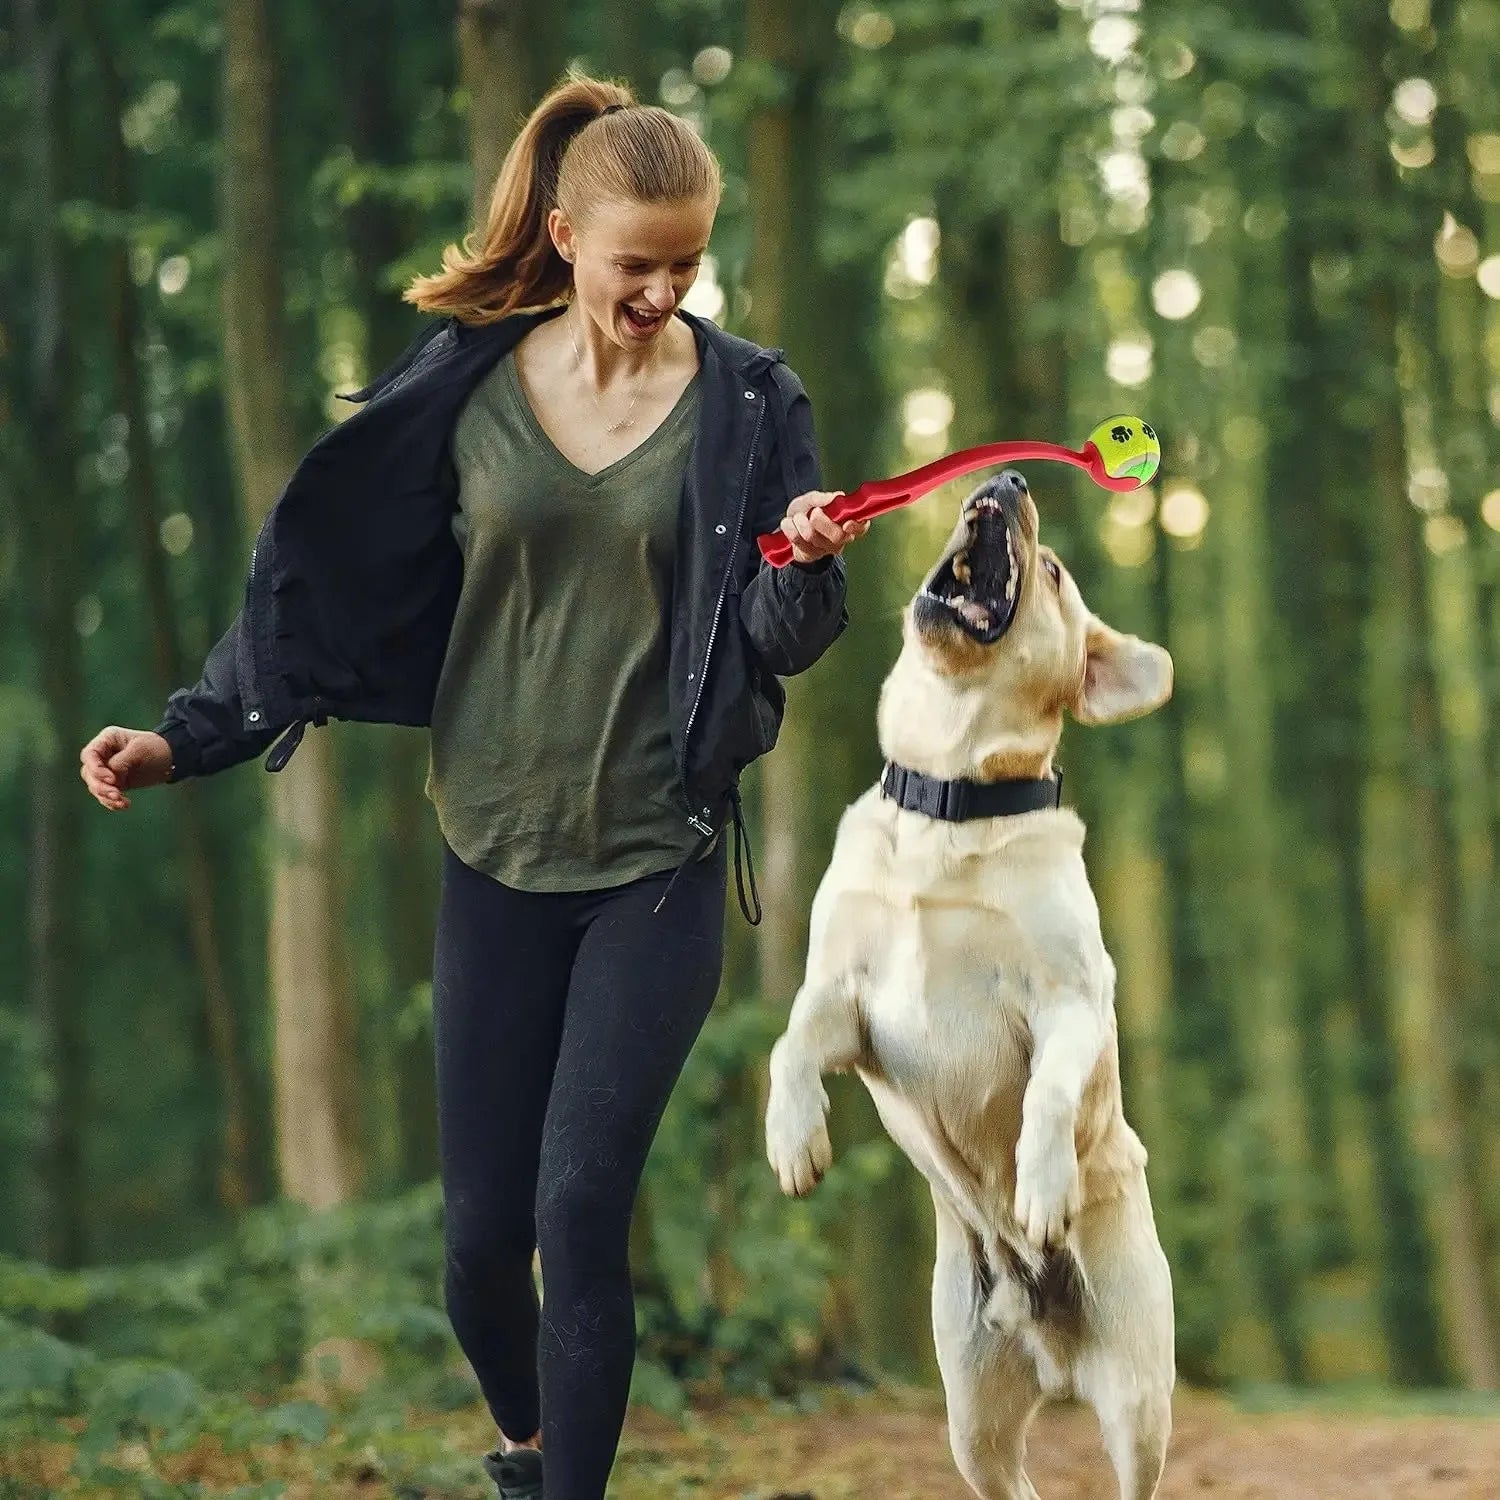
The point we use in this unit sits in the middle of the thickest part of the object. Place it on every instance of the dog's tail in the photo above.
(1052, 1284)
(1057, 1290)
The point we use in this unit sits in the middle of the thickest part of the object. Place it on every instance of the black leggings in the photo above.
(561, 1021)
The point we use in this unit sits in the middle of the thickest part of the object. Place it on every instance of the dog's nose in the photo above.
(1008, 478)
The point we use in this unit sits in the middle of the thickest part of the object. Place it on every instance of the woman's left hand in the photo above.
(812, 535)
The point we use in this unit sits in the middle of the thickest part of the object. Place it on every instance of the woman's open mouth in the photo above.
(643, 322)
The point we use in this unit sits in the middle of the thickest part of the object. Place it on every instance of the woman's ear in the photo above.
(1123, 677)
(561, 233)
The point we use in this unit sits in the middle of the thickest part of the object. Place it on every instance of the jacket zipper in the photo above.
(713, 629)
(253, 715)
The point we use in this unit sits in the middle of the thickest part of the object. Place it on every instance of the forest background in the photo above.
(1274, 232)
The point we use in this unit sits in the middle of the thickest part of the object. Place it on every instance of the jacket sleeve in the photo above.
(792, 614)
(204, 724)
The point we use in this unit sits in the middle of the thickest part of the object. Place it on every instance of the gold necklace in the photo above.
(628, 419)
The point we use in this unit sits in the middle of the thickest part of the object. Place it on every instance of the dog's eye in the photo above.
(1050, 563)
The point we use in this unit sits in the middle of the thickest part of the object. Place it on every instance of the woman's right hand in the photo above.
(119, 758)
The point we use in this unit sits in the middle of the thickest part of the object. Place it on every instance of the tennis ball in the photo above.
(1130, 449)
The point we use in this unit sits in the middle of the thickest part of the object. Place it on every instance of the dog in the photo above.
(956, 964)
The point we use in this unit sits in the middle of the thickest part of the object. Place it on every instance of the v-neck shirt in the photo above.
(551, 764)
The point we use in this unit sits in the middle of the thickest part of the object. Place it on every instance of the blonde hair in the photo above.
(570, 154)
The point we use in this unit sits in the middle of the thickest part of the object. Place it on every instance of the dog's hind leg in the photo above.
(988, 1376)
(1135, 1428)
(1125, 1367)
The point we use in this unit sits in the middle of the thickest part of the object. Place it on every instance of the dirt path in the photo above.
(890, 1446)
(856, 1448)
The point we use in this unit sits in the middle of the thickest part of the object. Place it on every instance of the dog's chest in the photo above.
(945, 1016)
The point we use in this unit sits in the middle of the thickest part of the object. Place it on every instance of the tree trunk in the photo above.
(1466, 1241)
(1406, 627)
(314, 1070)
(1228, 1176)
(409, 869)
(1322, 566)
(1325, 765)
(232, 1172)
(879, 1300)
(782, 280)
(629, 39)
(824, 316)
(52, 583)
(510, 52)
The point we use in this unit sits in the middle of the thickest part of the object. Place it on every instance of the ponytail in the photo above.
(586, 140)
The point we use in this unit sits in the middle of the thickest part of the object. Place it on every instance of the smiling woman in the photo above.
(571, 161)
(613, 464)
(611, 215)
(633, 265)
(537, 537)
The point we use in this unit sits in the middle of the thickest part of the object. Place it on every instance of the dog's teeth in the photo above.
(1010, 588)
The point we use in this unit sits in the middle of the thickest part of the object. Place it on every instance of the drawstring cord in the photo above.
(742, 841)
(741, 847)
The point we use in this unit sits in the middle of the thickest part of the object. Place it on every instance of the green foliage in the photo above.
(168, 1353)
(768, 1340)
(171, 1352)
(1289, 919)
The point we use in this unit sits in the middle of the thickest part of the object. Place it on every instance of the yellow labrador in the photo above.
(956, 963)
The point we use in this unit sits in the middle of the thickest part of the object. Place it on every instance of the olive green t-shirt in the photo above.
(551, 763)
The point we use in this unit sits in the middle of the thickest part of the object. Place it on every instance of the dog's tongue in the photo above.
(975, 613)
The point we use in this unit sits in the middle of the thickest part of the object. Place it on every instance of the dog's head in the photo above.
(998, 642)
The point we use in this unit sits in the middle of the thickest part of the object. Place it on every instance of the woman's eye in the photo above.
(1050, 563)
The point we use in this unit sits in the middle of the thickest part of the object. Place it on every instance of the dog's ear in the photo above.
(1123, 677)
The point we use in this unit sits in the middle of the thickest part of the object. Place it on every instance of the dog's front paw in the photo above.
(1048, 1189)
(797, 1144)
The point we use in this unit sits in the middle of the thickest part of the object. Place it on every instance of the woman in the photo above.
(537, 536)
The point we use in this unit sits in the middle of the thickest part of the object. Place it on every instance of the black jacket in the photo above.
(355, 574)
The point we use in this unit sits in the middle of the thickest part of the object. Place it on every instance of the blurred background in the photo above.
(1273, 232)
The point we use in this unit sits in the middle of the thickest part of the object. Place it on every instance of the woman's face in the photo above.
(637, 256)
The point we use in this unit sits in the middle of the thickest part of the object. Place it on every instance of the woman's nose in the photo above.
(660, 294)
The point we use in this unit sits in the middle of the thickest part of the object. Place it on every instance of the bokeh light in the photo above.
(1128, 361)
(1176, 294)
(1184, 513)
(1415, 100)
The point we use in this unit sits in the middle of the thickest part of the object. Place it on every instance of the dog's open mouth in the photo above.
(980, 584)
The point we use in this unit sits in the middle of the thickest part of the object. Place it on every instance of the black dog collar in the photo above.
(959, 801)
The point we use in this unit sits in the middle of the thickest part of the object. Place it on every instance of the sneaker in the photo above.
(517, 1474)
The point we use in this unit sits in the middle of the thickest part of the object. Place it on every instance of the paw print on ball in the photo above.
(1128, 447)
